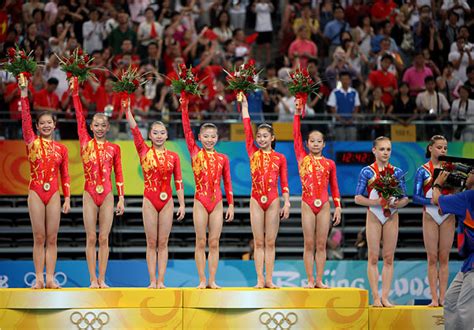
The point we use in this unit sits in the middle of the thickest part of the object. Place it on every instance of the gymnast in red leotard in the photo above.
(98, 158)
(209, 167)
(47, 159)
(158, 165)
(316, 173)
(266, 166)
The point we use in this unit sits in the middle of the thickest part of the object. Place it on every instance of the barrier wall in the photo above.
(409, 281)
(14, 167)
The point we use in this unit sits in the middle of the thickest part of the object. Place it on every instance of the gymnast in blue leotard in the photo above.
(378, 226)
(438, 230)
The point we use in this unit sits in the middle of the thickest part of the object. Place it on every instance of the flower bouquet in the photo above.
(20, 64)
(127, 83)
(388, 187)
(186, 84)
(301, 85)
(242, 79)
(77, 64)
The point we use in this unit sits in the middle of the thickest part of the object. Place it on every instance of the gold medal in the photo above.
(163, 196)
(99, 189)
(46, 186)
(263, 199)
(317, 202)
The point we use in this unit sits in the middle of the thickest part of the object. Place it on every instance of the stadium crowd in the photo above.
(376, 60)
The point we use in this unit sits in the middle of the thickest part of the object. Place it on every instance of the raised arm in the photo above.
(84, 137)
(249, 141)
(298, 139)
(140, 143)
(26, 122)
(188, 132)
(418, 194)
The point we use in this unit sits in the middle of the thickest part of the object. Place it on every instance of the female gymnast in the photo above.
(438, 230)
(317, 173)
(158, 165)
(209, 167)
(266, 166)
(380, 228)
(99, 156)
(47, 159)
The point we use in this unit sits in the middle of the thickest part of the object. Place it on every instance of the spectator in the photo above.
(364, 33)
(223, 30)
(462, 58)
(52, 70)
(338, 65)
(46, 99)
(237, 13)
(32, 40)
(149, 31)
(312, 24)
(344, 103)
(286, 107)
(302, 49)
(383, 10)
(377, 110)
(29, 7)
(333, 30)
(415, 75)
(470, 81)
(121, 33)
(385, 80)
(126, 55)
(355, 12)
(42, 27)
(431, 105)
(460, 7)
(404, 108)
(263, 26)
(462, 110)
(93, 32)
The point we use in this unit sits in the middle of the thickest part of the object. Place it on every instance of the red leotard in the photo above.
(109, 154)
(47, 159)
(157, 176)
(316, 173)
(265, 167)
(208, 168)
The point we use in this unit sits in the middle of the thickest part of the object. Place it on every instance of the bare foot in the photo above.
(94, 285)
(161, 285)
(320, 285)
(213, 285)
(270, 285)
(441, 302)
(260, 285)
(102, 284)
(434, 303)
(377, 303)
(202, 285)
(152, 285)
(38, 285)
(387, 303)
(52, 285)
(309, 285)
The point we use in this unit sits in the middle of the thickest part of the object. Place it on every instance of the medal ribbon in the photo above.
(162, 168)
(212, 171)
(99, 162)
(49, 162)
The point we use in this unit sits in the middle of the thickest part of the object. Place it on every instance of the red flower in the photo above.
(387, 213)
(68, 74)
(136, 82)
(394, 183)
(11, 52)
(305, 72)
(86, 58)
(80, 52)
(251, 62)
(81, 66)
(390, 170)
(250, 79)
(449, 167)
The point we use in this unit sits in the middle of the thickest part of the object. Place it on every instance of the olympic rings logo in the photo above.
(89, 320)
(278, 321)
(60, 278)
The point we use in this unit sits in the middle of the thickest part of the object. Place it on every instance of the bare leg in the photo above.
(200, 217)
(215, 229)
(446, 238)
(90, 223)
(257, 217)
(308, 221)
(374, 234)
(431, 239)
(37, 212)
(165, 222)
(272, 224)
(106, 218)
(390, 237)
(53, 216)
(323, 223)
(150, 222)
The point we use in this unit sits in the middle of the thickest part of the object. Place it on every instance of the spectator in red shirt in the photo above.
(302, 49)
(383, 10)
(383, 79)
(355, 12)
(12, 97)
(46, 99)
(127, 49)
